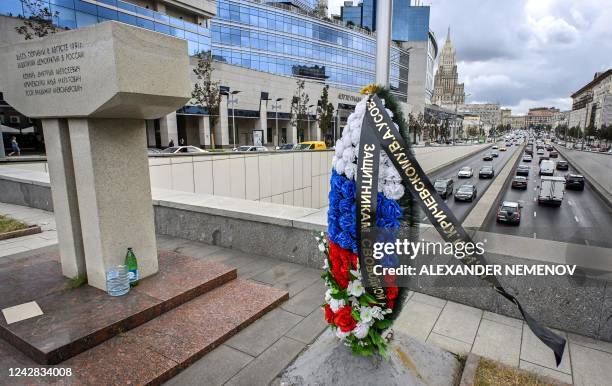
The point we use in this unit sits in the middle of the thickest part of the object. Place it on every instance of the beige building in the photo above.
(489, 113)
(447, 91)
(561, 118)
(592, 104)
(540, 116)
(505, 115)
(517, 122)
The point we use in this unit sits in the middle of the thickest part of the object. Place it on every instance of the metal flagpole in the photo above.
(384, 9)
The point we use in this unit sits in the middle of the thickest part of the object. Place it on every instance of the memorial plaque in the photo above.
(108, 70)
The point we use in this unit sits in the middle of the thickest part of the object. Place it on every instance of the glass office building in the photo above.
(72, 14)
(254, 35)
(282, 42)
(410, 23)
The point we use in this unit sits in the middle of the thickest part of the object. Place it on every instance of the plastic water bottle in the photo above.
(117, 280)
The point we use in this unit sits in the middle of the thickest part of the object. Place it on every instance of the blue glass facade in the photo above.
(73, 14)
(281, 42)
(351, 14)
(410, 23)
(308, 5)
(250, 35)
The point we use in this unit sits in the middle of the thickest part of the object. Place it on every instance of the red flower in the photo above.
(344, 320)
(329, 314)
(392, 292)
(389, 280)
(340, 272)
(390, 304)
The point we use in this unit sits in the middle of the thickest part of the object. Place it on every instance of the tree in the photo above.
(416, 125)
(205, 91)
(325, 111)
(472, 131)
(299, 108)
(40, 22)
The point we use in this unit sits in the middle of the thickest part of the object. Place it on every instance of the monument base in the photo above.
(76, 319)
(410, 362)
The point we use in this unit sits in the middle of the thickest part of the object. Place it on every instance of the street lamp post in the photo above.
(276, 107)
(234, 101)
(308, 120)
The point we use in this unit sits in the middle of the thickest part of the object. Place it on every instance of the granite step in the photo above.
(77, 319)
(159, 349)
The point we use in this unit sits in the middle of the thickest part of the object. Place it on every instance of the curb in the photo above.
(510, 165)
(590, 180)
(30, 230)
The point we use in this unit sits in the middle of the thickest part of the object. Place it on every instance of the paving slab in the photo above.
(590, 367)
(309, 328)
(499, 342)
(459, 322)
(216, 368)
(453, 345)
(256, 338)
(511, 322)
(410, 362)
(417, 319)
(269, 364)
(305, 302)
(428, 299)
(590, 343)
(545, 371)
(536, 352)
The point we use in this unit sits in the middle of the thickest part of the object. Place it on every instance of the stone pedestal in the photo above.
(262, 122)
(94, 88)
(204, 131)
(168, 129)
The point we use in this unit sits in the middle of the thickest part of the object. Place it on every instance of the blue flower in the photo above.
(347, 205)
(333, 231)
(348, 189)
(389, 210)
(387, 222)
(334, 198)
(333, 216)
(347, 220)
(337, 181)
(344, 240)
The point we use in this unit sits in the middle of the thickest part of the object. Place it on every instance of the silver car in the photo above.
(465, 172)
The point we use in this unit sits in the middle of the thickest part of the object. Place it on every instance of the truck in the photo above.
(551, 190)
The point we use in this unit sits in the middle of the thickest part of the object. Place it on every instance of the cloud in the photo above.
(524, 53)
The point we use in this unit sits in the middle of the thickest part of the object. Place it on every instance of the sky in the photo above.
(523, 53)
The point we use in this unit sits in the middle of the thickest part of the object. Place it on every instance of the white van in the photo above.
(551, 190)
(547, 168)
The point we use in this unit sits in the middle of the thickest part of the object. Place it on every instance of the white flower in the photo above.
(348, 155)
(377, 313)
(361, 330)
(366, 314)
(325, 265)
(339, 148)
(322, 247)
(355, 288)
(340, 165)
(356, 272)
(393, 191)
(341, 335)
(350, 170)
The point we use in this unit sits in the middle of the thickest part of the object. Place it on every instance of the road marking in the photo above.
(534, 235)
(534, 213)
(570, 202)
(576, 218)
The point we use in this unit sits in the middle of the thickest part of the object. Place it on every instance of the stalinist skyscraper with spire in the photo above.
(447, 92)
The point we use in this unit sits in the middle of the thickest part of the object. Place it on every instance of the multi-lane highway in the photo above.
(462, 208)
(583, 217)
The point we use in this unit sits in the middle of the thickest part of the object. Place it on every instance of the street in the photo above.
(582, 218)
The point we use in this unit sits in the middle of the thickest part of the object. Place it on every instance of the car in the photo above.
(553, 154)
(495, 154)
(509, 212)
(466, 192)
(504, 148)
(495, 147)
(543, 158)
(153, 150)
(547, 168)
(574, 181)
(486, 171)
(286, 147)
(444, 187)
(519, 182)
(250, 148)
(312, 145)
(522, 170)
(465, 172)
(183, 150)
(562, 165)
(529, 151)
(527, 158)
(487, 157)
(540, 151)
(549, 147)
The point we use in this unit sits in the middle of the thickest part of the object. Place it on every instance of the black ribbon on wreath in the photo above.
(378, 132)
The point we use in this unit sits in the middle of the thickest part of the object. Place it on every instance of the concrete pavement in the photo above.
(263, 350)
